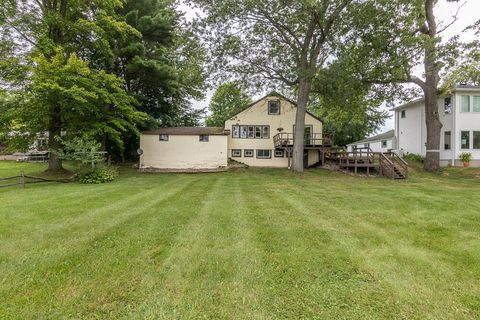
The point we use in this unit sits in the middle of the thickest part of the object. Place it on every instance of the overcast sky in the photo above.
(444, 11)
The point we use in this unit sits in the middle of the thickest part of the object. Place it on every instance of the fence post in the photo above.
(22, 179)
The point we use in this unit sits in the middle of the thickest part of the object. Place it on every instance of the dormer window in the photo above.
(274, 107)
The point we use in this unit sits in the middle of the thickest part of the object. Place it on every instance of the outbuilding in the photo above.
(183, 148)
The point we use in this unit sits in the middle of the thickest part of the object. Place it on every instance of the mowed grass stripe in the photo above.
(54, 272)
(414, 260)
(208, 274)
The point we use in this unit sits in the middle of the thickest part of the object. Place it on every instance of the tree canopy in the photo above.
(229, 99)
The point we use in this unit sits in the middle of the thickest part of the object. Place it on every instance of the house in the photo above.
(459, 113)
(261, 135)
(382, 142)
(183, 148)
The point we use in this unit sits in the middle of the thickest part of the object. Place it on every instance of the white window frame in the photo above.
(445, 140)
(163, 137)
(449, 109)
(202, 137)
(469, 104)
(248, 153)
(279, 107)
(473, 104)
(473, 139)
(384, 143)
(279, 153)
(264, 156)
(236, 153)
(469, 139)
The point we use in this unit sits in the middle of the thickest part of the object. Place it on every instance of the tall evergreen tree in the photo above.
(162, 68)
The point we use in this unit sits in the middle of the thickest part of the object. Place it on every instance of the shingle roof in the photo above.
(382, 136)
(187, 131)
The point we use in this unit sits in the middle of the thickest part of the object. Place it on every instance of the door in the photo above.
(307, 135)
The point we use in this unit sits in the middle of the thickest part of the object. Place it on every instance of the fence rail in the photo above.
(24, 179)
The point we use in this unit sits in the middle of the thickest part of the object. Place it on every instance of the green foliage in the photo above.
(348, 107)
(83, 149)
(465, 157)
(414, 157)
(101, 175)
(162, 68)
(229, 99)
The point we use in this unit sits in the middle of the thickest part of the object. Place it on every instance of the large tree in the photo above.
(284, 42)
(63, 44)
(395, 38)
(228, 99)
(162, 68)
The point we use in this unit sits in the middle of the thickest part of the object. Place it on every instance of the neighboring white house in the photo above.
(261, 135)
(183, 148)
(460, 115)
(382, 142)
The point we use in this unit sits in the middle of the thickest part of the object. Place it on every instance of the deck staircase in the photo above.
(387, 164)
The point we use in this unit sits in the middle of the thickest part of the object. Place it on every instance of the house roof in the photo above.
(379, 137)
(187, 131)
(456, 88)
(274, 94)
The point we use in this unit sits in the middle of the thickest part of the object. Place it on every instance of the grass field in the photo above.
(247, 244)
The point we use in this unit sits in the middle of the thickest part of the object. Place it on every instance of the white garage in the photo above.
(183, 148)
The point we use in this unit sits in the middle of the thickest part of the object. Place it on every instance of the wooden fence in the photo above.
(22, 180)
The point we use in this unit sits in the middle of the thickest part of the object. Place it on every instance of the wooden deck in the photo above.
(388, 164)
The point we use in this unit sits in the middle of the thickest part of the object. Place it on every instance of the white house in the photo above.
(382, 142)
(460, 115)
(261, 135)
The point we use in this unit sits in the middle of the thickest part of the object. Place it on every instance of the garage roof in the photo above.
(187, 131)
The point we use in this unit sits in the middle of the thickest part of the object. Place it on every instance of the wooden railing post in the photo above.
(22, 179)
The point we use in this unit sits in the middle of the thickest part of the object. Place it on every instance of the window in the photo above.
(235, 131)
(447, 140)
(266, 132)
(274, 107)
(263, 154)
(465, 139)
(163, 137)
(243, 132)
(476, 139)
(203, 138)
(465, 103)
(236, 153)
(256, 132)
(384, 143)
(448, 105)
(476, 104)
(278, 153)
(403, 114)
(366, 145)
(251, 133)
(248, 153)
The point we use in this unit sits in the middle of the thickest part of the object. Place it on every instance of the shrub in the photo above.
(465, 157)
(97, 176)
(414, 157)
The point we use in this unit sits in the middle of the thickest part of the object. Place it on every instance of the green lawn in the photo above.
(247, 244)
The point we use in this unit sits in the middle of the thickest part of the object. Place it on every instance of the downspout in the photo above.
(454, 128)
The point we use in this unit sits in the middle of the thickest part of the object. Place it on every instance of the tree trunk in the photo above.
(298, 138)
(434, 126)
(54, 132)
(430, 89)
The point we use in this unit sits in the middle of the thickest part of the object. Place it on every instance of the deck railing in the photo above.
(283, 139)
